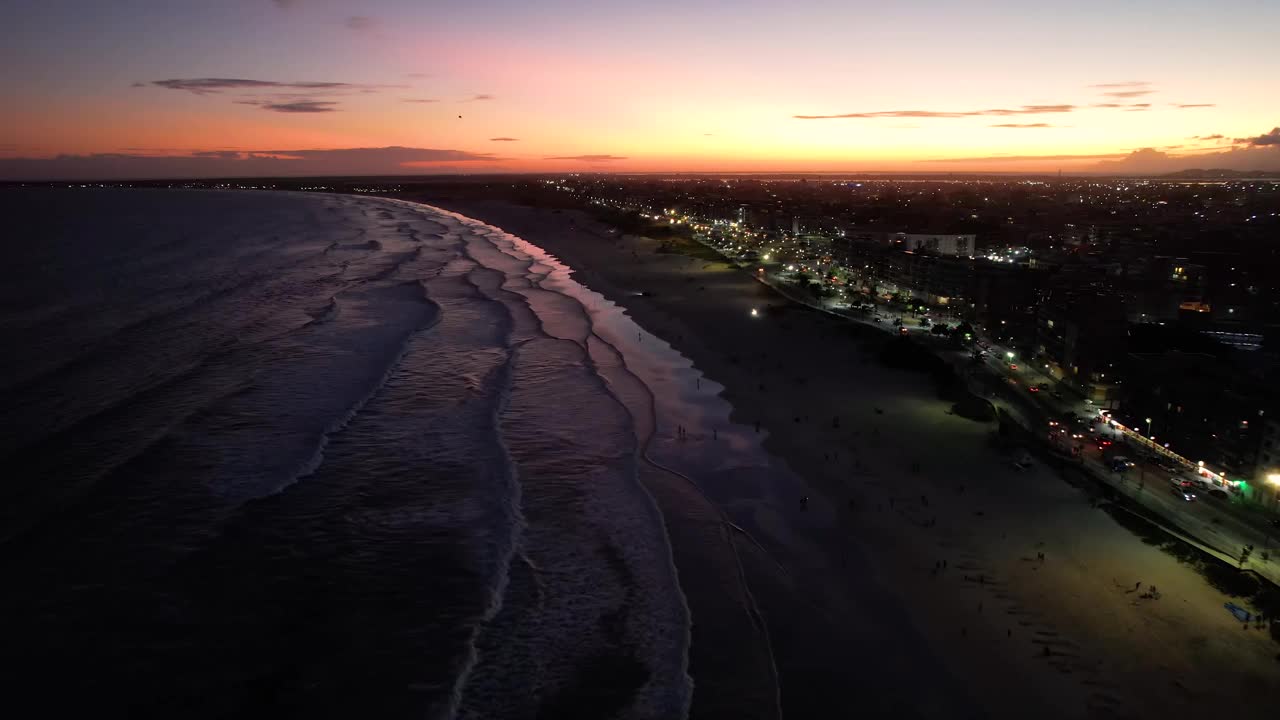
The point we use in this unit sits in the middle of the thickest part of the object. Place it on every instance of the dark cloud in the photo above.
(504, 139)
(1122, 90)
(304, 106)
(481, 96)
(1024, 158)
(247, 163)
(1124, 84)
(205, 86)
(1193, 105)
(138, 84)
(419, 100)
(1149, 161)
(1022, 125)
(1207, 137)
(360, 22)
(1187, 149)
(997, 112)
(285, 105)
(1263, 140)
(588, 158)
(1129, 107)
(1256, 153)
(161, 151)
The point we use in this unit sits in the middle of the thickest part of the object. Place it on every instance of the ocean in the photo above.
(318, 455)
(312, 455)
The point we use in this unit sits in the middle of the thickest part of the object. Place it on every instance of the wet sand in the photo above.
(896, 486)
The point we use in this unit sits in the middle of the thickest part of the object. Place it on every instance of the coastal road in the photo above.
(1213, 522)
(1206, 519)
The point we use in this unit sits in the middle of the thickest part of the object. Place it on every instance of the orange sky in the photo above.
(661, 86)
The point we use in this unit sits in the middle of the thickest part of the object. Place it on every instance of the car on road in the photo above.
(1168, 466)
(1121, 463)
(1184, 493)
(1033, 389)
(1057, 395)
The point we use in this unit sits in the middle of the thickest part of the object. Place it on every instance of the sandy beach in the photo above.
(1029, 597)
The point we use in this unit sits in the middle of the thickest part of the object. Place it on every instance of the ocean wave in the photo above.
(419, 440)
(649, 698)
(412, 291)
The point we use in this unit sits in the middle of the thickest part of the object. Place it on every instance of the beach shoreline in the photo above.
(910, 487)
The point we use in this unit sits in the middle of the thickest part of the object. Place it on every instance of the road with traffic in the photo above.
(1215, 523)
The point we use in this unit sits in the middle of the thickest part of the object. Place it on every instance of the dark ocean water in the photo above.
(308, 455)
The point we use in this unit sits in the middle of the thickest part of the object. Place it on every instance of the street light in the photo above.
(1148, 427)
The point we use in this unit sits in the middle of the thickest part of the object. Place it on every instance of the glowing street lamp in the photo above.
(1274, 479)
(1149, 428)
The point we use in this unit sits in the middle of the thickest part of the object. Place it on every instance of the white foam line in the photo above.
(757, 616)
(317, 458)
(643, 454)
(488, 233)
(497, 596)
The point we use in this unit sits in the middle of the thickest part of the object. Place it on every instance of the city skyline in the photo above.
(309, 87)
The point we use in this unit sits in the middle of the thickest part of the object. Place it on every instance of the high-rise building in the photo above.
(1081, 330)
(959, 245)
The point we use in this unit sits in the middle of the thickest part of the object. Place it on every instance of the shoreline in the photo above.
(1016, 657)
(747, 683)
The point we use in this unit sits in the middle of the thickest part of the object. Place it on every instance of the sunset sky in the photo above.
(151, 88)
